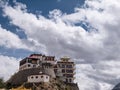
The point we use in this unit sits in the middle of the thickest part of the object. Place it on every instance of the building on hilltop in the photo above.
(36, 60)
(49, 59)
(38, 68)
(65, 69)
(41, 77)
(29, 69)
(30, 62)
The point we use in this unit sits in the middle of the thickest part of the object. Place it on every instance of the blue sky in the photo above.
(87, 31)
(39, 7)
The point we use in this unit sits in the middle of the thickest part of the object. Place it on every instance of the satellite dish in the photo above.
(40, 72)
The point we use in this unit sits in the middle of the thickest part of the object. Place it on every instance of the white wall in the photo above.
(25, 66)
(41, 78)
(52, 62)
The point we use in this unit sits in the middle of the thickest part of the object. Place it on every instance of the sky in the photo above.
(88, 31)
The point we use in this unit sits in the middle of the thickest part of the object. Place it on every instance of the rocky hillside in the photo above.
(20, 79)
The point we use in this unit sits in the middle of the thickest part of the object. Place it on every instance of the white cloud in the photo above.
(58, 35)
(53, 32)
(97, 76)
(10, 40)
(8, 66)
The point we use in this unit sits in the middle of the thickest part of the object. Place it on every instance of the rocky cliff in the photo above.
(20, 79)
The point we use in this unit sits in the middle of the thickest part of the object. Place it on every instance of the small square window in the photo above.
(28, 65)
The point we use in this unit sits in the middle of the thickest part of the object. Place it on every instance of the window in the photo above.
(69, 66)
(70, 80)
(69, 75)
(66, 80)
(29, 60)
(63, 66)
(36, 76)
(63, 70)
(59, 65)
(69, 71)
(41, 76)
(28, 65)
(32, 77)
(34, 65)
(34, 61)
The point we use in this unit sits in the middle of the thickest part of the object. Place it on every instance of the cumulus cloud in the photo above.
(10, 40)
(8, 66)
(96, 43)
(54, 34)
(100, 76)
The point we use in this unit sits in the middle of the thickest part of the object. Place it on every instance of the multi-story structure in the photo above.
(49, 59)
(36, 60)
(65, 69)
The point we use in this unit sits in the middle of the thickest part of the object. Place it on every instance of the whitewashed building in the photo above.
(38, 78)
(65, 69)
